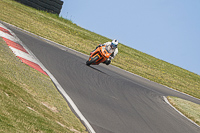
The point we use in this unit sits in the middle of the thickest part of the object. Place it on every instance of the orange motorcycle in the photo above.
(101, 54)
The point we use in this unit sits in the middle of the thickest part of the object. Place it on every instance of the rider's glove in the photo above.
(100, 45)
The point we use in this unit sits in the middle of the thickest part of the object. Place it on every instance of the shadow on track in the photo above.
(97, 70)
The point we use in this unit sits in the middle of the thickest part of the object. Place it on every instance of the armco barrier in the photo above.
(52, 6)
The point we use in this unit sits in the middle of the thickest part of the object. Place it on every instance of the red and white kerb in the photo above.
(15, 45)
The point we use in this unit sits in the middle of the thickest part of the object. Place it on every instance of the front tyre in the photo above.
(107, 62)
(93, 60)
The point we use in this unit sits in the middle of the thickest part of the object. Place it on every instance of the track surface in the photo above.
(112, 100)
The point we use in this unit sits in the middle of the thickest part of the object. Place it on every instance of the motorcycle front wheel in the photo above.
(93, 60)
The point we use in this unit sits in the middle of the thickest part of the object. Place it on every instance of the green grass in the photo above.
(64, 32)
(189, 109)
(29, 101)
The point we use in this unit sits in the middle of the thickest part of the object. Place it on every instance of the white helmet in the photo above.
(114, 43)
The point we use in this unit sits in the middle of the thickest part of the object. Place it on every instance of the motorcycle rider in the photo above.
(112, 47)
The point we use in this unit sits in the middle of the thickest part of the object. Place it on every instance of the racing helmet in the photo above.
(114, 43)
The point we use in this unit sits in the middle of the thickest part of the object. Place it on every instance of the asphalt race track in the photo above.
(112, 100)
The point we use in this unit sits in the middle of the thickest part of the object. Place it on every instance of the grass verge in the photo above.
(64, 32)
(29, 101)
(189, 109)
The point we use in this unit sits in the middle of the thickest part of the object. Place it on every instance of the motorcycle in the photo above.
(101, 54)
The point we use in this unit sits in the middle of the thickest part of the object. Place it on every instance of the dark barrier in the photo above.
(52, 6)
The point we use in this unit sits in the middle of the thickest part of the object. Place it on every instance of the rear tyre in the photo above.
(92, 60)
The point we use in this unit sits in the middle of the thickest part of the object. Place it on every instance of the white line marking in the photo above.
(1, 25)
(59, 87)
(166, 100)
(111, 65)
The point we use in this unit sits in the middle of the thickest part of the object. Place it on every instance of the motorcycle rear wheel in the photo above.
(93, 60)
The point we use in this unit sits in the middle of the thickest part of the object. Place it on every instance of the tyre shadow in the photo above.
(98, 70)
